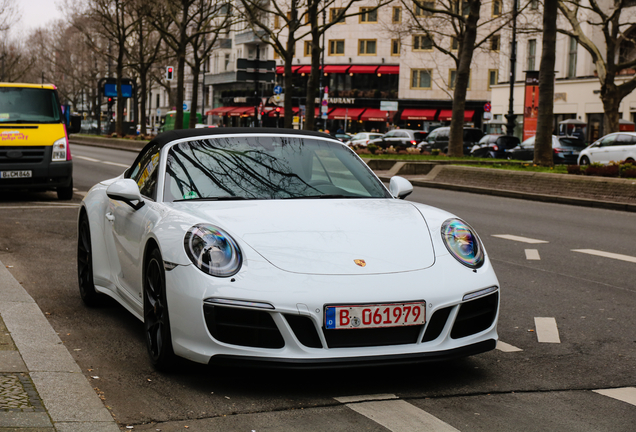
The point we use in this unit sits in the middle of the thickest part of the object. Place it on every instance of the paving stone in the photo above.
(24, 420)
(11, 361)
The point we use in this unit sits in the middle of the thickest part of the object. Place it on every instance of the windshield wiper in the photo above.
(323, 196)
(219, 198)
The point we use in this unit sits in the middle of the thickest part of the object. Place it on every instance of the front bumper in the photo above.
(45, 174)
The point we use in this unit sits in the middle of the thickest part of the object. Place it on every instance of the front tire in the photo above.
(89, 295)
(65, 193)
(156, 317)
(585, 160)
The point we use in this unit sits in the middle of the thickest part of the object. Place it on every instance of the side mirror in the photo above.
(400, 187)
(75, 124)
(125, 190)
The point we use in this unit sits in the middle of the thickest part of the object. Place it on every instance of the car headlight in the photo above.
(213, 251)
(59, 150)
(462, 242)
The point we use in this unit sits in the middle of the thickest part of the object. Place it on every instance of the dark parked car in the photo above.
(494, 146)
(565, 150)
(399, 139)
(438, 139)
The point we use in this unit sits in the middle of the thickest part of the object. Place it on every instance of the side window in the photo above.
(402, 134)
(623, 140)
(608, 141)
(443, 135)
(432, 136)
(145, 172)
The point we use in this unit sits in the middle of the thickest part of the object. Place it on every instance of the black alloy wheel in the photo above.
(90, 297)
(585, 160)
(156, 318)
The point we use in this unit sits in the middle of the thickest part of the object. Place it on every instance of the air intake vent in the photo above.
(304, 330)
(244, 327)
(475, 316)
(436, 324)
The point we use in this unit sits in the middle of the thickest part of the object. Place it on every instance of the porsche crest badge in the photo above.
(360, 262)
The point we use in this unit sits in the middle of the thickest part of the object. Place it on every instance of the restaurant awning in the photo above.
(468, 115)
(220, 111)
(374, 114)
(345, 113)
(272, 113)
(336, 68)
(389, 70)
(244, 110)
(363, 69)
(418, 114)
(304, 69)
(445, 115)
(281, 69)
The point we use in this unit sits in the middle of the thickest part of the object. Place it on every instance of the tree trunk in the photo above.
(194, 103)
(289, 89)
(119, 118)
(314, 76)
(543, 155)
(611, 103)
(462, 79)
(178, 121)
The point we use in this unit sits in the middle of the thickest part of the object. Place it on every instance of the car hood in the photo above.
(326, 236)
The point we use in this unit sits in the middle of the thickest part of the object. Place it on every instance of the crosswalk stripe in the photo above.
(532, 255)
(504, 347)
(606, 254)
(625, 394)
(364, 398)
(400, 416)
(519, 239)
(547, 330)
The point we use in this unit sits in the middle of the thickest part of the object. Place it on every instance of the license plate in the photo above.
(15, 174)
(375, 315)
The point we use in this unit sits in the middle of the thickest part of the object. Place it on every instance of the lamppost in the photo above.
(322, 68)
(510, 127)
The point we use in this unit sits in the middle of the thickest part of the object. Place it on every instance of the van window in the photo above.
(442, 135)
(29, 105)
(473, 135)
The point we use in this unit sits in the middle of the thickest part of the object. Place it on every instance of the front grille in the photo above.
(354, 338)
(304, 330)
(436, 324)
(21, 155)
(244, 327)
(475, 316)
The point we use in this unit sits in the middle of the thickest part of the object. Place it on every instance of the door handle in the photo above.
(110, 217)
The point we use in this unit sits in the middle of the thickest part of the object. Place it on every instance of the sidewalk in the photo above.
(42, 389)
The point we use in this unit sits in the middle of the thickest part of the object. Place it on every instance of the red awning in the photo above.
(363, 69)
(239, 111)
(336, 68)
(349, 113)
(374, 114)
(272, 113)
(418, 114)
(303, 69)
(220, 111)
(280, 69)
(468, 115)
(445, 115)
(389, 70)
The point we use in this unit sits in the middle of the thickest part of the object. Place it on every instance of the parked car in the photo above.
(400, 139)
(494, 146)
(363, 138)
(565, 150)
(618, 146)
(342, 137)
(301, 284)
(438, 139)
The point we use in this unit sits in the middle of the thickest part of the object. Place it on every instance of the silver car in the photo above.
(618, 146)
(363, 138)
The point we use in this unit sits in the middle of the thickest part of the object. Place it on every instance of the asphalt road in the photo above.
(542, 386)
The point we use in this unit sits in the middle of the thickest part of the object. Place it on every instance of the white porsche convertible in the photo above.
(282, 247)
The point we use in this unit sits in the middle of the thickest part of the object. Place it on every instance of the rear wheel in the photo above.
(90, 297)
(156, 318)
(585, 160)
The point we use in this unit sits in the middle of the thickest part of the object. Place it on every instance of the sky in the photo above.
(37, 13)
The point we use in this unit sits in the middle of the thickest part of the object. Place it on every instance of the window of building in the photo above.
(367, 47)
(532, 52)
(572, 57)
(226, 9)
(276, 55)
(333, 15)
(336, 47)
(454, 43)
(307, 49)
(534, 4)
(496, 8)
(494, 42)
(420, 12)
(493, 77)
(397, 15)
(422, 43)
(227, 62)
(452, 78)
(158, 100)
(421, 78)
(395, 47)
(368, 15)
(276, 21)
(461, 5)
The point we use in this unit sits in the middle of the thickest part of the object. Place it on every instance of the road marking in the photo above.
(90, 159)
(606, 254)
(625, 394)
(504, 347)
(533, 255)
(546, 329)
(519, 239)
(364, 398)
(399, 416)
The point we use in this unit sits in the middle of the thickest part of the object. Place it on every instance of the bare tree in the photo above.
(8, 15)
(612, 51)
(543, 141)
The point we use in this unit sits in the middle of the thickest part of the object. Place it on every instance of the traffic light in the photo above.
(169, 73)
(277, 112)
(111, 102)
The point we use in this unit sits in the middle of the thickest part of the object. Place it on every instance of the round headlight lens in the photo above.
(462, 242)
(213, 250)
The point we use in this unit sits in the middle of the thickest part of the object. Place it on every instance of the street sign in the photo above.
(487, 115)
(325, 102)
(388, 106)
(487, 107)
(324, 109)
(278, 90)
(186, 105)
(158, 111)
(301, 110)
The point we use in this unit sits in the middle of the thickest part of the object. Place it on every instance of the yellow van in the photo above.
(34, 152)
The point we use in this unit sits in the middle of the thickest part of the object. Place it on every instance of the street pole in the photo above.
(510, 127)
(256, 99)
(203, 87)
(322, 68)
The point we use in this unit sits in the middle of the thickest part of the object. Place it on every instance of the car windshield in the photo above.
(571, 142)
(28, 105)
(267, 167)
